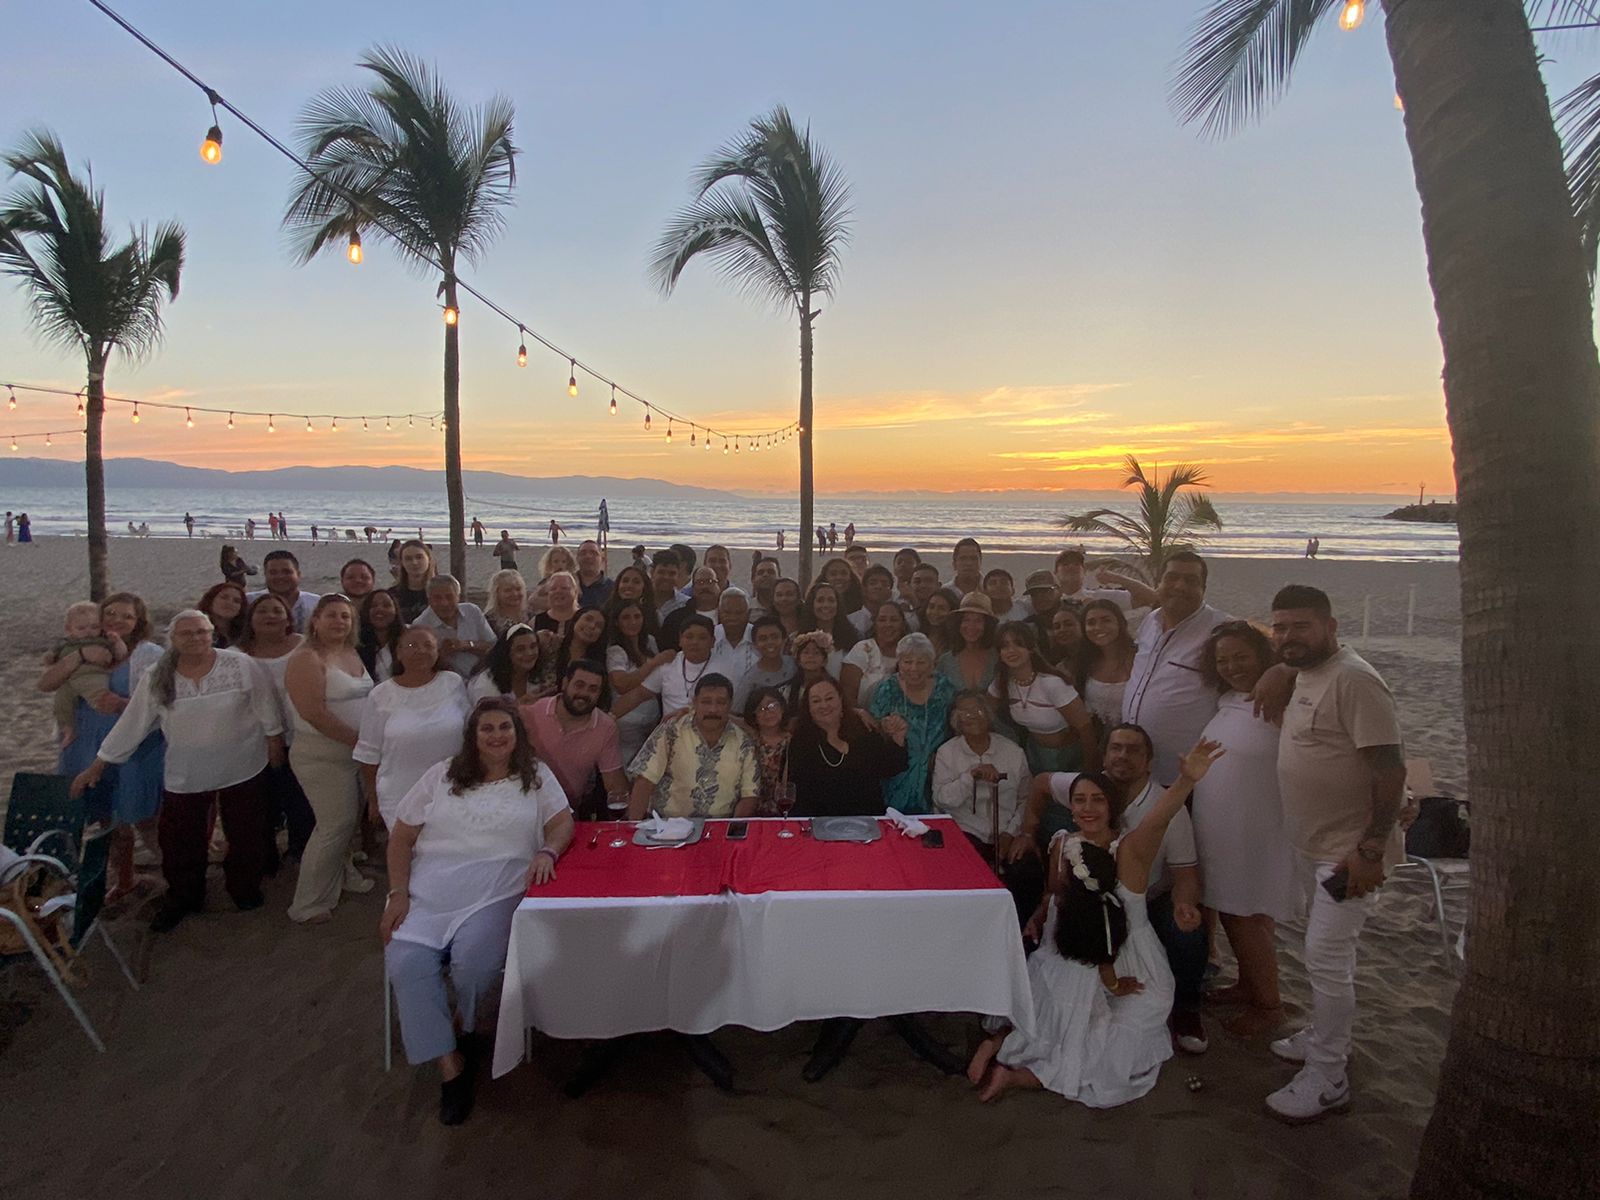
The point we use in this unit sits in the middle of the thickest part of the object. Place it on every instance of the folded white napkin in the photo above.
(909, 826)
(667, 829)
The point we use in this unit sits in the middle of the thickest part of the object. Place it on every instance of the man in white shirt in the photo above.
(1001, 589)
(1341, 771)
(697, 656)
(877, 587)
(983, 780)
(763, 581)
(906, 560)
(967, 559)
(1173, 897)
(720, 560)
(281, 570)
(733, 633)
(1167, 691)
(463, 631)
(1069, 573)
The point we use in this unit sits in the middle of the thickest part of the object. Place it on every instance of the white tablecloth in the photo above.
(587, 968)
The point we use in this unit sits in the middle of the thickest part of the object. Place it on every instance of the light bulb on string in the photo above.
(13, 443)
(572, 377)
(387, 428)
(335, 428)
(363, 425)
(724, 445)
(80, 404)
(11, 399)
(230, 420)
(211, 148)
(353, 252)
(691, 437)
(669, 431)
(522, 347)
(188, 418)
(135, 412)
(647, 417)
(1354, 12)
(613, 399)
(308, 425)
(708, 441)
(736, 445)
(410, 424)
(452, 315)
(271, 428)
(47, 439)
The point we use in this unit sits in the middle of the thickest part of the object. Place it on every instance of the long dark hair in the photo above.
(466, 769)
(373, 638)
(850, 597)
(497, 663)
(400, 567)
(234, 629)
(247, 638)
(1092, 653)
(1245, 632)
(1090, 922)
(905, 622)
(597, 649)
(1023, 634)
(758, 697)
(634, 648)
(938, 632)
(808, 732)
(141, 616)
(843, 633)
(645, 600)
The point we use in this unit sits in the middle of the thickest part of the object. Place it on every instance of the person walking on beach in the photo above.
(1342, 773)
(11, 527)
(272, 524)
(188, 523)
(283, 526)
(822, 539)
(315, 530)
(850, 533)
(24, 528)
(556, 530)
(780, 540)
(506, 551)
(604, 525)
(477, 532)
(833, 536)
(250, 529)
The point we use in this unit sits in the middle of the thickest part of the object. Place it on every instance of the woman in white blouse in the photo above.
(468, 841)
(871, 660)
(1039, 701)
(631, 655)
(222, 725)
(411, 721)
(1108, 660)
(328, 686)
(1247, 862)
(511, 668)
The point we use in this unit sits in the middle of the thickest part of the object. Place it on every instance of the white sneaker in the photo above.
(1308, 1096)
(355, 881)
(1294, 1047)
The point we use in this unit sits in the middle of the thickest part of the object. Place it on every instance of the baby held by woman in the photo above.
(96, 653)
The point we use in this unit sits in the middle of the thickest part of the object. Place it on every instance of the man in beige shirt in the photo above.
(1341, 770)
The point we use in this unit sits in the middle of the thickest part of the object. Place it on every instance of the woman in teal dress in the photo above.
(921, 698)
(971, 659)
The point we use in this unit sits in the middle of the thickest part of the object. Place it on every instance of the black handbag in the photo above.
(1442, 829)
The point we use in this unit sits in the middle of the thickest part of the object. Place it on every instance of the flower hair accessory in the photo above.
(820, 638)
(1080, 872)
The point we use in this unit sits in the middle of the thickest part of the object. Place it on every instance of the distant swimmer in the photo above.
(477, 532)
(188, 523)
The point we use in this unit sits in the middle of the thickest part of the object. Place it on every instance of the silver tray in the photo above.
(641, 836)
(846, 829)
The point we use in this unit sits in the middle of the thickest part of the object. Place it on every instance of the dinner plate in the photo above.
(641, 836)
(846, 829)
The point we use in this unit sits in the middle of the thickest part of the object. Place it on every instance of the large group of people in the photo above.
(1146, 774)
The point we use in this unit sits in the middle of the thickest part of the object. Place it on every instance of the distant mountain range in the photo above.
(149, 473)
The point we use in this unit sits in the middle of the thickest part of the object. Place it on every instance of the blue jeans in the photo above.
(1186, 953)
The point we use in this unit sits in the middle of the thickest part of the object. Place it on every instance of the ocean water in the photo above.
(1252, 529)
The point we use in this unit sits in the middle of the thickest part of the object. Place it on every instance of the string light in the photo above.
(47, 439)
(135, 414)
(354, 252)
(230, 420)
(724, 445)
(271, 428)
(335, 428)
(13, 443)
(613, 399)
(647, 418)
(211, 151)
(387, 428)
(211, 148)
(522, 348)
(708, 441)
(691, 437)
(80, 404)
(1355, 11)
(669, 431)
(736, 445)
(363, 424)
(188, 418)
(11, 399)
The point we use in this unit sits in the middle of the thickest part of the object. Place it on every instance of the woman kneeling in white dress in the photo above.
(1101, 985)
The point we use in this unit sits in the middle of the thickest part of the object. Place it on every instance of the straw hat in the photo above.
(976, 602)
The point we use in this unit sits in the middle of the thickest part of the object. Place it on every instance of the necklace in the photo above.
(822, 749)
(683, 669)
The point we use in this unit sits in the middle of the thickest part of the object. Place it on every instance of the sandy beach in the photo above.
(250, 1063)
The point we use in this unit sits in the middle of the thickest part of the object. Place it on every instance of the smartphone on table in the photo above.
(933, 839)
(738, 830)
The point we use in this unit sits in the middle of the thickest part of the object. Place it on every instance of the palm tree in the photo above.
(1516, 1111)
(1168, 520)
(83, 294)
(403, 160)
(772, 210)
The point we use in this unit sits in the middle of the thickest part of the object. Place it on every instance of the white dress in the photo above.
(1089, 1045)
(1246, 859)
(1104, 700)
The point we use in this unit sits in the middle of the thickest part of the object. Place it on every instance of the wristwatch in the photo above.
(1371, 854)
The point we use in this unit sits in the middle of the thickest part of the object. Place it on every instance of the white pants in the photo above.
(1332, 930)
(327, 775)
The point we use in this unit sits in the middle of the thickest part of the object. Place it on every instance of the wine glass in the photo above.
(784, 796)
(617, 806)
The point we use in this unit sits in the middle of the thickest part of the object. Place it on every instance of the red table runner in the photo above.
(764, 862)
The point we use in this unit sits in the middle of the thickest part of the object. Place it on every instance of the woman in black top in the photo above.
(837, 764)
(410, 591)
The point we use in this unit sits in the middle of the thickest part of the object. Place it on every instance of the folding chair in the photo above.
(1419, 782)
(36, 924)
(42, 816)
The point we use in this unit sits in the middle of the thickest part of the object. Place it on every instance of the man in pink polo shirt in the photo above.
(576, 740)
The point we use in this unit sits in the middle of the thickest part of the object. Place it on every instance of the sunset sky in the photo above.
(1047, 271)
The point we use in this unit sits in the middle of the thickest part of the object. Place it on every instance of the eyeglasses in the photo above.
(769, 705)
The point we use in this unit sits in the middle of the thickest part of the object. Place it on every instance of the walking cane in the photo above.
(994, 818)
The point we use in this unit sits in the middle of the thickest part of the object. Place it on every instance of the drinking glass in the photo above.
(617, 806)
(784, 795)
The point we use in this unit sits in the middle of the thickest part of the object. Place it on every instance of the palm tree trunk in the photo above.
(94, 476)
(1519, 1091)
(807, 500)
(454, 492)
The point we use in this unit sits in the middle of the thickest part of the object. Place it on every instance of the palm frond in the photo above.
(1578, 121)
(1239, 58)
